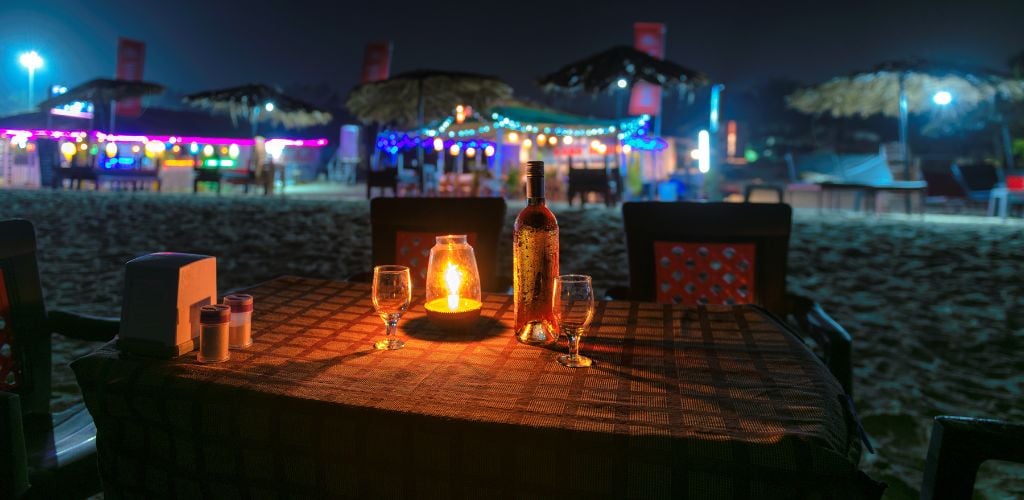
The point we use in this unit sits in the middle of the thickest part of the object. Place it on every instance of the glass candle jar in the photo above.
(213, 333)
(240, 328)
(453, 283)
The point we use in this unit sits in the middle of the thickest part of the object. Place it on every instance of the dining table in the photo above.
(681, 402)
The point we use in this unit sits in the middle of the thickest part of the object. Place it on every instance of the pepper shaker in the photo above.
(240, 330)
(213, 333)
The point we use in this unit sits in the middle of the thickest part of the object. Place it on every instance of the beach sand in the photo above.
(935, 305)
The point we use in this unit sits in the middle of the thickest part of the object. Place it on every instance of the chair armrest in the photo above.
(82, 326)
(957, 448)
(834, 340)
(617, 293)
(14, 471)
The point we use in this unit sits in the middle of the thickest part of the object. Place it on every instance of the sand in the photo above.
(935, 305)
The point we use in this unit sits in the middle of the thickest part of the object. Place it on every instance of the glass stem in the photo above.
(574, 346)
(392, 326)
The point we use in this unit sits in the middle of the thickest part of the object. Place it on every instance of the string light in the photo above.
(552, 140)
(489, 151)
(513, 137)
(208, 150)
(438, 144)
(527, 143)
(470, 152)
(567, 140)
(541, 139)
(110, 149)
(454, 150)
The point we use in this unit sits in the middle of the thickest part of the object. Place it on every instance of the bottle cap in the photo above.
(239, 302)
(535, 169)
(214, 314)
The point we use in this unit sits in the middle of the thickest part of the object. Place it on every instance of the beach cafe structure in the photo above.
(34, 157)
(499, 140)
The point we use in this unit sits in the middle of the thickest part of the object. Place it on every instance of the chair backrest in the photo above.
(713, 253)
(976, 176)
(941, 182)
(24, 340)
(404, 230)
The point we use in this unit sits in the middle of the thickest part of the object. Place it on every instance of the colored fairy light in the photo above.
(470, 152)
(541, 139)
(454, 150)
(621, 83)
(527, 143)
(234, 150)
(193, 148)
(513, 137)
(567, 140)
(269, 107)
(552, 140)
(438, 144)
(207, 150)
(68, 149)
(110, 149)
(489, 151)
(626, 149)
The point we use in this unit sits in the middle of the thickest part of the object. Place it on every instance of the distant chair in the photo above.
(724, 253)
(943, 188)
(404, 230)
(957, 448)
(42, 454)
(590, 180)
(386, 178)
(976, 179)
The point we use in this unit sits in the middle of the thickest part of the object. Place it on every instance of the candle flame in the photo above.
(453, 278)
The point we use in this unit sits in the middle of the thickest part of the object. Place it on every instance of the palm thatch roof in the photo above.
(877, 90)
(601, 72)
(247, 102)
(416, 97)
(103, 90)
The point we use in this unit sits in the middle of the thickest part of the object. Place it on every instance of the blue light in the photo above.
(646, 144)
(942, 98)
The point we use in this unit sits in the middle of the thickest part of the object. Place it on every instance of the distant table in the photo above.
(708, 402)
(906, 188)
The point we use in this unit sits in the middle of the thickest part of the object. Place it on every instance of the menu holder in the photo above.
(163, 293)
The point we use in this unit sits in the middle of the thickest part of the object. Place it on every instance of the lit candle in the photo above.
(453, 278)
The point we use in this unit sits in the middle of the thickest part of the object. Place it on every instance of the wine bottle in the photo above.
(535, 263)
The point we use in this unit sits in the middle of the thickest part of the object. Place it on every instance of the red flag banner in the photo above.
(645, 97)
(131, 58)
(376, 62)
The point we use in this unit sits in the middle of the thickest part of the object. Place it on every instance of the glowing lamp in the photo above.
(110, 149)
(438, 144)
(223, 150)
(83, 146)
(626, 149)
(454, 150)
(527, 143)
(541, 139)
(234, 150)
(453, 284)
(68, 150)
(136, 149)
(31, 60)
(193, 148)
(489, 151)
(513, 137)
(470, 152)
(552, 140)
(621, 83)
(704, 147)
(208, 150)
(695, 154)
(942, 98)
(176, 148)
(154, 148)
(567, 140)
(269, 107)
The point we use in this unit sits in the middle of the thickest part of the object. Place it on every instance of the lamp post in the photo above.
(31, 61)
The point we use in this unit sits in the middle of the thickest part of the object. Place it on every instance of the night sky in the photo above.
(201, 44)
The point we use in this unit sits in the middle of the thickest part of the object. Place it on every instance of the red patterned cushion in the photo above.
(10, 372)
(412, 249)
(704, 273)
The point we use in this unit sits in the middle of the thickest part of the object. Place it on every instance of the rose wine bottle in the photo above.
(535, 263)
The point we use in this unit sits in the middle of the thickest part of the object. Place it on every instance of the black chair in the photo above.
(386, 178)
(976, 179)
(42, 454)
(404, 230)
(725, 253)
(590, 180)
(959, 445)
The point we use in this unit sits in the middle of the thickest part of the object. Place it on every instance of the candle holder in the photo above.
(453, 284)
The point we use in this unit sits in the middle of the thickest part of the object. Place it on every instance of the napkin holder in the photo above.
(162, 296)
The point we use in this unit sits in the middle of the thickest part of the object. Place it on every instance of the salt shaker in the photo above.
(240, 331)
(213, 333)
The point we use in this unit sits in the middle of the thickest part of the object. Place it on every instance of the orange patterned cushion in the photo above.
(412, 249)
(704, 273)
(10, 374)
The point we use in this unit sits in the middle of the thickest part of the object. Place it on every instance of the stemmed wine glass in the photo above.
(574, 309)
(392, 293)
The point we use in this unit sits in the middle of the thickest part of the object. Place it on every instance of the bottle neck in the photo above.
(535, 190)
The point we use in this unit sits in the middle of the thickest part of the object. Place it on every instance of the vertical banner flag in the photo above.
(376, 62)
(646, 97)
(131, 57)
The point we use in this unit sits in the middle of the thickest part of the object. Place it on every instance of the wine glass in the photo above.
(574, 309)
(392, 293)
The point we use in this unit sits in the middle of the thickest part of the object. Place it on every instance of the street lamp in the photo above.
(942, 98)
(31, 61)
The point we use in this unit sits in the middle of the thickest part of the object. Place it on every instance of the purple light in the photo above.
(215, 141)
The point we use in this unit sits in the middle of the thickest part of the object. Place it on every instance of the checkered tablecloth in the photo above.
(715, 402)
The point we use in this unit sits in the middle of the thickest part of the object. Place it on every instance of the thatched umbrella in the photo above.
(413, 98)
(899, 88)
(260, 103)
(102, 93)
(602, 72)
